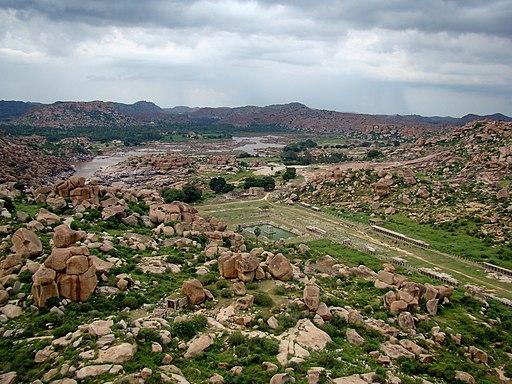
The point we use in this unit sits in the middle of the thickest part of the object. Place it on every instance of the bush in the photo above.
(192, 193)
(132, 300)
(236, 338)
(374, 154)
(149, 334)
(189, 328)
(63, 330)
(172, 194)
(280, 291)
(263, 299)
(221, 284)
(290, 173)
(266, 182)
(8, 204)
(25, 277)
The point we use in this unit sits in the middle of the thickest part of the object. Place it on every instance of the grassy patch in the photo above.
(453, 239)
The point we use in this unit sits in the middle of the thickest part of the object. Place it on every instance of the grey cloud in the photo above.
(461, 16)
(395, 56)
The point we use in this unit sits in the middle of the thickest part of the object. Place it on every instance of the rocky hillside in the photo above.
(293, 116)
(108, 284)
(30, 161)
(74, 114)
(12, 109)
(462, 176)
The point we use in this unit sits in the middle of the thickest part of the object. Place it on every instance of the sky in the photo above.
(435, 57)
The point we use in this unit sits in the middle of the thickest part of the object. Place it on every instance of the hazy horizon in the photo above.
(441, 58)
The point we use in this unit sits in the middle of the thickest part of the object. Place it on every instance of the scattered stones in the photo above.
(353, 337)
(117, 354)
(311, 297)
(464, 377)
(295, 342)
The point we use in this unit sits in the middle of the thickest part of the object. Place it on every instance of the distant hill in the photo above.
(294, 116)
(496, 117)
(12, 109)
(140, 108)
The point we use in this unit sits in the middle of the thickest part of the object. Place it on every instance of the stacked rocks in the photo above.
(240, 265)
(176, 211)
(68, 271)
(74, 188)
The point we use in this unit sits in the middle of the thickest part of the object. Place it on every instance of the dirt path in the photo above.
(309, 173)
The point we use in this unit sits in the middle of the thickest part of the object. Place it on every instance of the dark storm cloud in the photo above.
(395, 56)
(462, 16)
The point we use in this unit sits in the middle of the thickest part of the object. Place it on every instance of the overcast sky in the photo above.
(375, 56)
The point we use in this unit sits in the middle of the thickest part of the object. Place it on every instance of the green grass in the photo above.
(30, 209)
(455, 240)
(345, 255)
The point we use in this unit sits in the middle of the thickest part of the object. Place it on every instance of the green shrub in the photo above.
(52, 302)
(25, 277)
(192, 193)
(149, 334)
(280, 291)
(172, 194)
(226, 293)
(219, 185)
(63, 330)
(263, 299)
(132, 300)
(236, 338)
(189, 328)
(220, 284)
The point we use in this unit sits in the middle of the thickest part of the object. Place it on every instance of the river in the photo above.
(251, 145)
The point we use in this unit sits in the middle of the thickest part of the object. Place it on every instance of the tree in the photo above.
(257, 232)
(172, 194)
(290, 173)
(266, 182)
(374, 154)
(191, 193)
(219, 185)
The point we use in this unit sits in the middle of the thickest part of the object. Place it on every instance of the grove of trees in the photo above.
(266, 182)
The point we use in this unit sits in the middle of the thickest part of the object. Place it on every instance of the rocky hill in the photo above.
(461, 177)
(293, 116)
(30, 161)
(13, 109)
(74, 114)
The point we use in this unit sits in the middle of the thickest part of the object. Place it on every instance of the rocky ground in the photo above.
(108, 284)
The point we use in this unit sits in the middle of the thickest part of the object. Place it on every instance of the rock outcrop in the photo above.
(68, 272)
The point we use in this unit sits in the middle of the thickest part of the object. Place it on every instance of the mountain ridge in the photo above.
(294, 115)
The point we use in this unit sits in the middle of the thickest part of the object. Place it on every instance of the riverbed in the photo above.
(251, 145)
